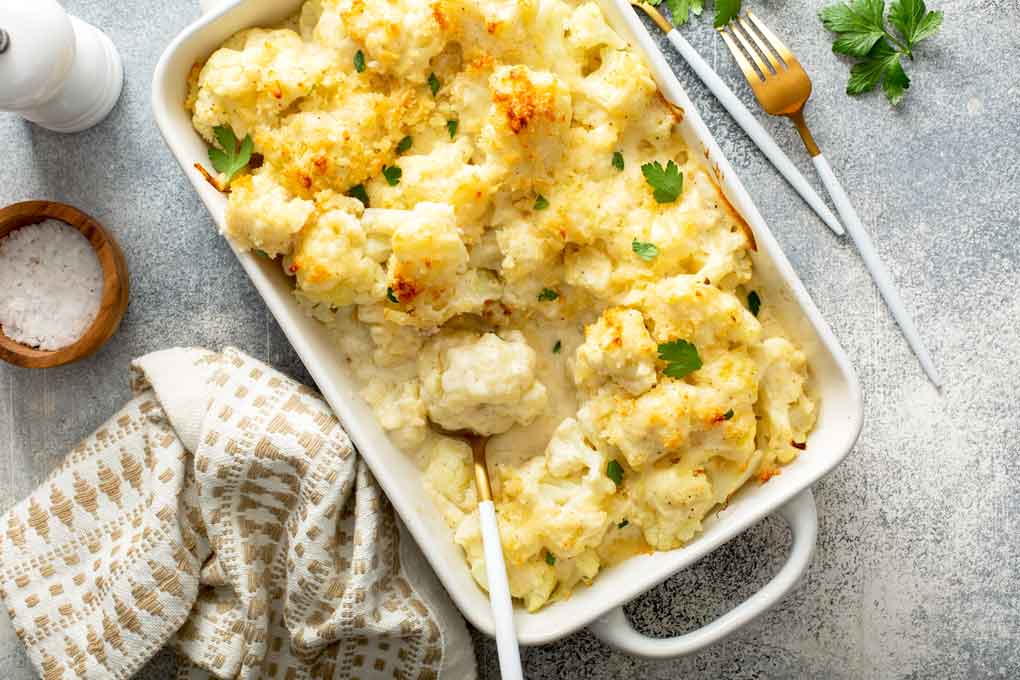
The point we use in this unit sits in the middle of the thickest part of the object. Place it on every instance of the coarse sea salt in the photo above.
(51, 285)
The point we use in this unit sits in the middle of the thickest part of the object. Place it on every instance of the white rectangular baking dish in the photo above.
(599, 605)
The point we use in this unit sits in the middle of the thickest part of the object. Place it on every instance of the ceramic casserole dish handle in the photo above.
(800, 514)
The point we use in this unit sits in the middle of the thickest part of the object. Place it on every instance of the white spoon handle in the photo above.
(499, 594)
(883, 279)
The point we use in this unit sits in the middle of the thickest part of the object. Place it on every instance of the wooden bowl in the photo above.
(115, 284)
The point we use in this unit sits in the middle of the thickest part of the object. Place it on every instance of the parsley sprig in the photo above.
(862, 34)
(646, 251)
(615, 472)
(754, 302)
(681, 358)
(667, 182)
(358, 191)
(231, 157)
(681, 10)
(392, 173)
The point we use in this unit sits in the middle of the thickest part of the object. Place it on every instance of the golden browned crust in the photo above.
(523, 103)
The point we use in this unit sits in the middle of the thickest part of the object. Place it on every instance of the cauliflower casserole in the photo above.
(488, 204)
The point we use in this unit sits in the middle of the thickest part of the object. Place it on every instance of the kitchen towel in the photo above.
(223, 511)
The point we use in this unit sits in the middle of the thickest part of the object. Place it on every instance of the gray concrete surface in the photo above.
(916, 573)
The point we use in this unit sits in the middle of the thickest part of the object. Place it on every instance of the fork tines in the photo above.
(767, 56)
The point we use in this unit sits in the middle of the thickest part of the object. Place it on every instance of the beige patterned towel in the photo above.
(224, 511)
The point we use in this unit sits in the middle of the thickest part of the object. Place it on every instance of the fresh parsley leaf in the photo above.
(358, 191)
(392, 174)
(451, 127)
(433, 84)
(615, 472)
(624, 522)
(547, 295)
(404, 144)
(550, 559)
(557, 347)
(859, 25)
(646, 251)
(728, 415)
(541, 203)
(681, 358)
(896, 82)
(862, 34)
(680, 10)
(390, 296)
(231, 157)
(262, 253)
(913, 21)
(359, 61)
(618, 160)
(753, 302)
(667, 182)
(725, 12)
(882, 64)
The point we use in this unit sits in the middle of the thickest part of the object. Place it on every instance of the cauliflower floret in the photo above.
(657, 423)
(400, 37)
(688, 422)
(587, 30)
(449, 478)
(787, 410)
(396, 399)
(444, 175)
(533, 580)
(331, 263)
(617, 347)
(530, 257)
(527, 124)
(261, 214)
(699, 235)
(618, 91)
(256, 76)
(492, 29)
(334, 149)
(484, 383)
(669, 503)
(685, 307)
(475, 292)
(428, 254)
(551, 505)
(588, 268)
(394, 344)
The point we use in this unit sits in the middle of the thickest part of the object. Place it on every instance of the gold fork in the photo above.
(782, 87)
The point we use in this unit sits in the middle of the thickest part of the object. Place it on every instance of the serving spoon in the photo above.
(495, 566)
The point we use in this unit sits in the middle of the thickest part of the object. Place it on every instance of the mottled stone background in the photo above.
(917, 572)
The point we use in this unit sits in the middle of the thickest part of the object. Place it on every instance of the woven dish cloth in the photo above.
(223, 511)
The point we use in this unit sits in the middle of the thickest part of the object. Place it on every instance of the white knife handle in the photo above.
(499, 595)
(754, 130)
(883, 279)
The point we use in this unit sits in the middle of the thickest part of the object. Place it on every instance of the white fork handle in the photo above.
(754, 130)
(499, 595)
(883, 279)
